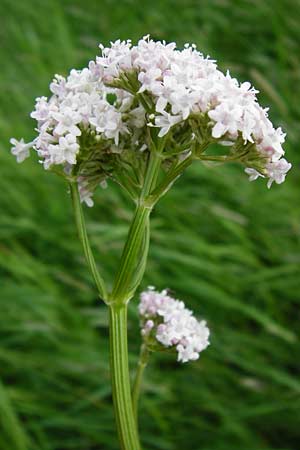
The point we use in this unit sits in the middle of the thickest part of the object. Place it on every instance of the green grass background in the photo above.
(230, 248)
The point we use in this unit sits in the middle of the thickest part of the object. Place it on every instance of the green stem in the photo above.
(121, 291)
(176, 171)
(169, 179)
(135, 250)
(143, 361)
(152, 173)
(222, 158)
(126, 424)
(81, 228)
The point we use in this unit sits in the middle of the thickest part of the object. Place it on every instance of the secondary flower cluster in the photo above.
(168, 322)
(99, 113)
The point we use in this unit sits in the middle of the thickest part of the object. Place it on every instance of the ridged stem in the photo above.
(122, 291)
(126, 424)
(128, 278)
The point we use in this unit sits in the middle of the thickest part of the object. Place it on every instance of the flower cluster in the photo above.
(168, 322)
(99, 113)
(79, 127)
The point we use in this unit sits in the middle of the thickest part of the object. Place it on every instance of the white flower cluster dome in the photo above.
(170, 323)
(97, 114)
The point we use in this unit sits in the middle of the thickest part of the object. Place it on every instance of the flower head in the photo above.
(169, 323)
(98, 118)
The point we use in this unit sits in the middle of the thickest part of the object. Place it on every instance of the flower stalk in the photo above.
(136, 390)
(126, 423)
(82, 233)
(129, 275)
(136, 247)
(124, 282)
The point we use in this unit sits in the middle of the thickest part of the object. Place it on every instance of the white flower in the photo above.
(114, 125)
(149, 81)
(272, 139)
(42, 109)
(20, 150)
(182, 101)
(277, 171)
(253, 174)
(58, 86)
(79, 81)
(165, 122)
(161, 104)
(67, 120)
(172, 324)
(95, 70)
(108, 121)
(65, 151)
(248, 126)
(227, 118)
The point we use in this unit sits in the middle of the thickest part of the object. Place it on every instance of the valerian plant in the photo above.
(139, 115)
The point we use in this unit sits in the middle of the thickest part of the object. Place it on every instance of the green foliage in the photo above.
(230, 248)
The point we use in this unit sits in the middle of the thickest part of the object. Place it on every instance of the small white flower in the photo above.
(277, 171)
(58, 86)
(67, 122)
(65, 151)
(149, 81)
(42, 109)
(165, 122)
(248, 126)
(114, 125)
(272, 139)
(20, 149)
(160, 106)
(253, 174)
(182, 101)
(227, 118)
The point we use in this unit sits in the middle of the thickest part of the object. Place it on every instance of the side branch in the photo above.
(81, 229)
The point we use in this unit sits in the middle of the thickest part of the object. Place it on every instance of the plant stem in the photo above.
(143, 361)
(170, 178)
(125, 284)
(81, 229)
(126, 424)
(122, 291)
